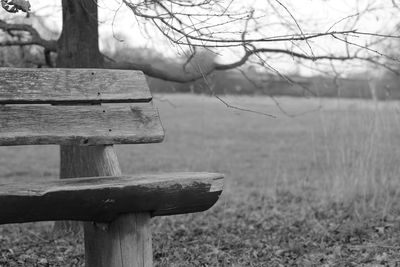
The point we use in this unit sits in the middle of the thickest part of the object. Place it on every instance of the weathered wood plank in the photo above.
(85, 161)
(38, 86)
(103, 199)
(79, 125)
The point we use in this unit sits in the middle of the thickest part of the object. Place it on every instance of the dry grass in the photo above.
(308, 190)
(355, 154)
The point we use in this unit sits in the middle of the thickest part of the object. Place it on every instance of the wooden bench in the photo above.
(86, 111)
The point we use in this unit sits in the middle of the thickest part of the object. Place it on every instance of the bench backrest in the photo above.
(76, 107)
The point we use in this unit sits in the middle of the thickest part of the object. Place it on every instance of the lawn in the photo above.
(317, 188)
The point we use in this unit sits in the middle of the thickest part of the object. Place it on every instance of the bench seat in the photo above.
(103, 199)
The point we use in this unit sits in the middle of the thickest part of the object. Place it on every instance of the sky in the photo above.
(119, 28)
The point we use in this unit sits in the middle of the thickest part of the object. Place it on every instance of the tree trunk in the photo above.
(78, 47)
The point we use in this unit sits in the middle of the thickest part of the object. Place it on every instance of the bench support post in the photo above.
(127, 240)
(122, 243)
(85, 161)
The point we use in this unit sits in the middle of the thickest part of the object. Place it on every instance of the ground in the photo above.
(317, 189)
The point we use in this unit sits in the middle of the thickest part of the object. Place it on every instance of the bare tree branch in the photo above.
(175, 73)
(26, 35)
(216, 24)
(35, 38)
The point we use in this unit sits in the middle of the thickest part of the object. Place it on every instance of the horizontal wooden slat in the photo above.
(37, 86)
(79, 125)
(102, 199)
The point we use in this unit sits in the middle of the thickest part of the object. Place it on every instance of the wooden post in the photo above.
(127, 240)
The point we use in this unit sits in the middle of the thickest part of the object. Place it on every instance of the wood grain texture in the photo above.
(80, 125)
(104, 199)
(85, 161)
(129, 235)
(38, 86)
(88, 161)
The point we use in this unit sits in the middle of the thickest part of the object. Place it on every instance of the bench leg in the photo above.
(126, 242)
(122, 243)
(85, 161)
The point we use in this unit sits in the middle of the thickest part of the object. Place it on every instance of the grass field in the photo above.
(320, 188)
